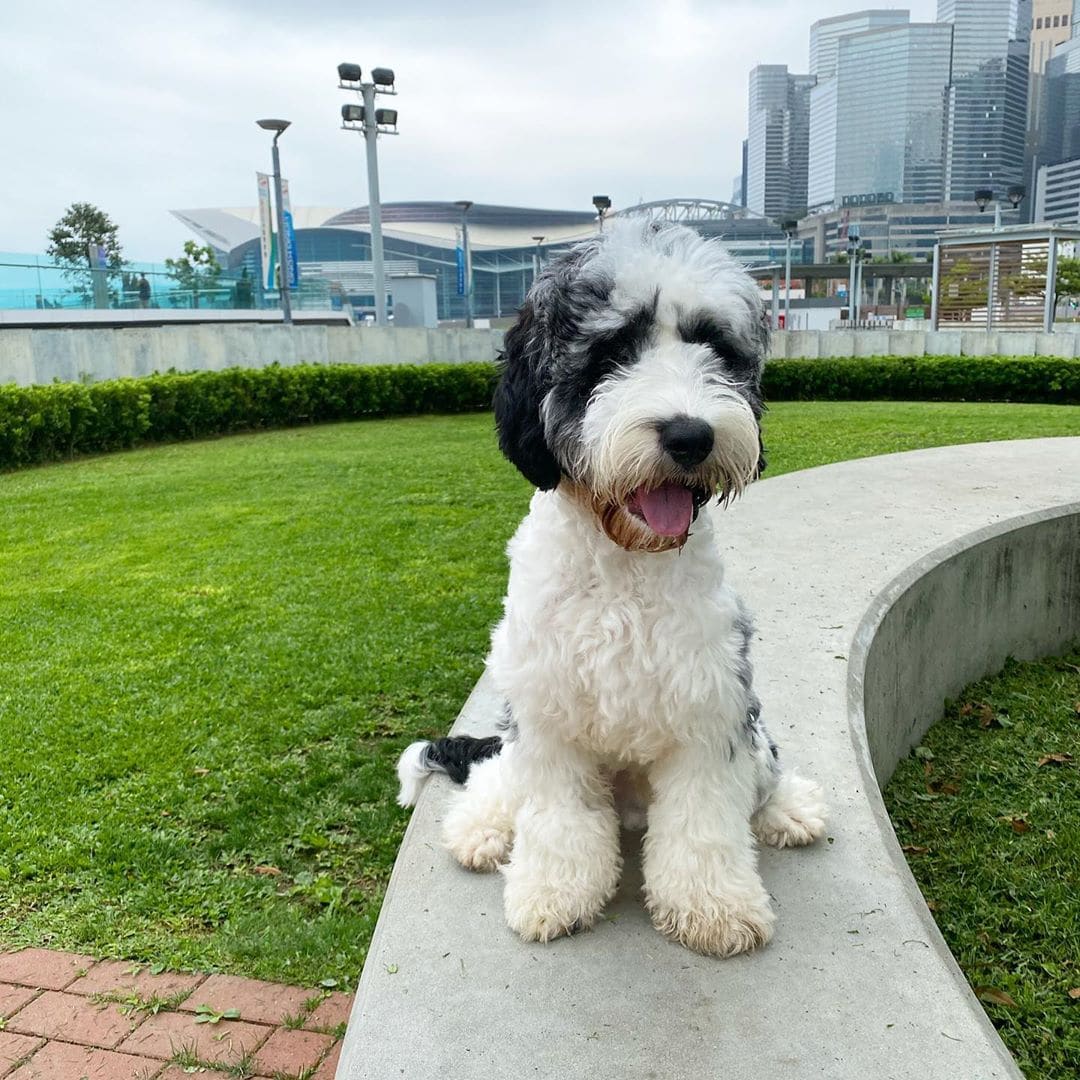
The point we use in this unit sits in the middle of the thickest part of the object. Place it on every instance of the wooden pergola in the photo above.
(998, 279)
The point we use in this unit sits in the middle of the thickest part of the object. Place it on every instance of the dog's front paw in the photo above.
(716, 925)
(543, 912)
(478, 847)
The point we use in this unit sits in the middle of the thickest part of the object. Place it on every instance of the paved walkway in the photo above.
(64, 1016)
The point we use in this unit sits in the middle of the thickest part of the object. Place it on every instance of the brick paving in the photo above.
(66, 1016)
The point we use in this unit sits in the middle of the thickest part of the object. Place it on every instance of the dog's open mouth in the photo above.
(669, 509)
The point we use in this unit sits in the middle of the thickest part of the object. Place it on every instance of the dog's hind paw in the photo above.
(793, 816)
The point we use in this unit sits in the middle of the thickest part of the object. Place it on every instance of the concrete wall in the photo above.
(93, 354)
(1011, 590)
(814, 344)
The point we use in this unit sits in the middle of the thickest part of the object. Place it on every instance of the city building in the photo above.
(986, 103)
(508, 245)
(1051, 25)
(877, 122)
(778, 141)
(826, 35)
(1057, 186)
(1057, 193)
(887, 229)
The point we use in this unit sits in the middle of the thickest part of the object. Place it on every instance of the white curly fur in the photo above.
(627, 662)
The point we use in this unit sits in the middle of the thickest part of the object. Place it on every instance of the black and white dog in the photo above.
(630, 396)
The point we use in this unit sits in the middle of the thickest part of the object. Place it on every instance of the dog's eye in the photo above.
(703, 330)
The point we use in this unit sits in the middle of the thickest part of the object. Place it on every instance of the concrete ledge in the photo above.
(95, 353)
(880, 586)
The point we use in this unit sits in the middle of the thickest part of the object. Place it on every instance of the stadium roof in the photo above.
(434, 223)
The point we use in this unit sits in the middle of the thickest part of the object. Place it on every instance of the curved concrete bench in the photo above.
(880, 587)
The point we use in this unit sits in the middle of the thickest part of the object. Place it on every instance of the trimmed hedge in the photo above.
(46, 423)
(1050, 380)
(61, 420)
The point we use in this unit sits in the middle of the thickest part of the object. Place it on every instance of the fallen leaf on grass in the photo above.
(1055, 759)
(1074, 993)
(994, 996)
(266, 871)
(914, 849)
(1017, 824)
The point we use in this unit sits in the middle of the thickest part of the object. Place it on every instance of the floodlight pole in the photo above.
(277, 127)
(374, 205)
(536, 258)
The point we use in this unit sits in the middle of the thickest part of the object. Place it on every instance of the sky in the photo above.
(142, 107)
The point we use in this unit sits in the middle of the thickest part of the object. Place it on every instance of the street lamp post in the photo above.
(603, 205)
(536, 258)
(789, 228)
(277, 127)
(984, 196)
(373, 123)
(465, 205)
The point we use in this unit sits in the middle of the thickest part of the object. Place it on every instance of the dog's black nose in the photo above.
(688, 441)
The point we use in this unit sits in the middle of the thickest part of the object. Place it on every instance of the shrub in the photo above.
(1051, 380)
(45, 423)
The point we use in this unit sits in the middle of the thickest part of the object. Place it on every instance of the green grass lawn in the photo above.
(988, 811)
(211, 653)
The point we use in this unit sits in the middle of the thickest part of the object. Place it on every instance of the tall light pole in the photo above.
(603, 205)
(277, 127)
(465, 205)
(536, 258)
(789, 228)
(373, 123)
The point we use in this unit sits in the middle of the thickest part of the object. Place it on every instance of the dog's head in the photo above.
(633, 377)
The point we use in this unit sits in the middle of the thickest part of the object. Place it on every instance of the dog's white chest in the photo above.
(624, 655)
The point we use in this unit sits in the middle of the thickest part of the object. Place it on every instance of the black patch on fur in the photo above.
(524, 381)
(617, 348)
(455, 754)
(704, 328)
(541, 350)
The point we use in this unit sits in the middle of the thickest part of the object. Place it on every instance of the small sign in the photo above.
(459, 255)
(915, 313)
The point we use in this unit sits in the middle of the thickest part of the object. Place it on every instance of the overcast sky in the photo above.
(141, 107)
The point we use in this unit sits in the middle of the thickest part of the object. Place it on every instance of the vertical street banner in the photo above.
(266, 232)
(459, 256)
(291, 260)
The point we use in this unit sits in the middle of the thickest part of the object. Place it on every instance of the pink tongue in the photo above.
(668, 508)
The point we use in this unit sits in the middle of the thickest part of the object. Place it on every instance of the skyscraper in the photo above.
(825, 36)
(778, 137)
(986, 106)
(877, 124)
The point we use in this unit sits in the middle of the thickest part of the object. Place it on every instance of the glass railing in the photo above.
(29, 282)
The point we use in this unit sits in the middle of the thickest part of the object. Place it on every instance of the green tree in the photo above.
(198, 271)
(70, 238)
(1067, 284)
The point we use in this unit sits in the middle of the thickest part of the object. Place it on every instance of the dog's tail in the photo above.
(453, 755)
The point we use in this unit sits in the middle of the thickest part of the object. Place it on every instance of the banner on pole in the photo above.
(291, 260)
(459, 254)
(266, 232)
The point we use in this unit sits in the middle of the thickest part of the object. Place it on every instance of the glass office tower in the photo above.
(825, 36)
(778, 141)
(878, 125)
(986, 107)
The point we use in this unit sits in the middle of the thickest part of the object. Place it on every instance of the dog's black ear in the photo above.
(523, 382)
